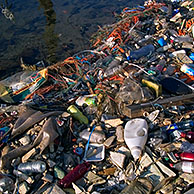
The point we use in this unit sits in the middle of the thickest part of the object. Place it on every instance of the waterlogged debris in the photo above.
(14, 89)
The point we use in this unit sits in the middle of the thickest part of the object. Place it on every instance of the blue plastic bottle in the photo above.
(146, 50)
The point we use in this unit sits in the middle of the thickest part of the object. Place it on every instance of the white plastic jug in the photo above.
(135, 135)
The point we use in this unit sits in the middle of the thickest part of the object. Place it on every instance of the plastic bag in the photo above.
(15, 88)
(131, 92)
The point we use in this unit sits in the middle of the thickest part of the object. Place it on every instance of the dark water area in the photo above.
(51, 30)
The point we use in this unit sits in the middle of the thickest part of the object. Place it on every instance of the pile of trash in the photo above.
(118, 118)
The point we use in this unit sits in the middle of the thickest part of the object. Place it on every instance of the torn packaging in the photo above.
(28, 119)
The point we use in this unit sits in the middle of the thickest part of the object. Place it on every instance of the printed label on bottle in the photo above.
(187, 167)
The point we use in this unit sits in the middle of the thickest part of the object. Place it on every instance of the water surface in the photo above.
(51, 30)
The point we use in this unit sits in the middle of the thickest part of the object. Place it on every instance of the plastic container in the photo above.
(187, 147)
(188, 136)
(135, 135)
(32, 167)
(184, 166)
(74, 175)
(146, 50)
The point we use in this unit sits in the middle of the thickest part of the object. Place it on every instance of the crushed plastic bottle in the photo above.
(32, 167)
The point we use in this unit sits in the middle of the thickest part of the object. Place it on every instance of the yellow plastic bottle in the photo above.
(77, 114)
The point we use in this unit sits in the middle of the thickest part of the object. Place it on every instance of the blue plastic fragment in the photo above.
(162, 42)
(2, 132)
(191, 56)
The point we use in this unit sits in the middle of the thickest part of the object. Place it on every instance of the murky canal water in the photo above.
(51, 30)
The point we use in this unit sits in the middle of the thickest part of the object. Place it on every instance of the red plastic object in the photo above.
(186, 156)
(74, 175)
(188, 136)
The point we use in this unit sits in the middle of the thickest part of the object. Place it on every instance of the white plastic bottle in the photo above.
(135, 135)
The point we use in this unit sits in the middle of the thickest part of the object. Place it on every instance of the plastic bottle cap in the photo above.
(183, 134)
(171, 165)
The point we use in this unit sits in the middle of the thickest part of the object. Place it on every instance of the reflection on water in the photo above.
(50, 36)
(51, 30)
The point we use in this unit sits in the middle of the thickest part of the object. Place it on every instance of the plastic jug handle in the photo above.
(145, 131)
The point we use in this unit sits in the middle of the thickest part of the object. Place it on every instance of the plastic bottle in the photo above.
(74, 175)
(113, 71)
(188, 136)
(135, 135)
(184, 166)
(114, 67)
(146, 50)
(77, 114)
(31, 167)
(185, 156)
